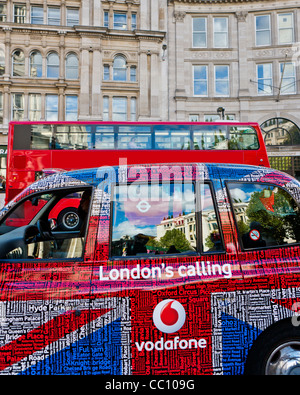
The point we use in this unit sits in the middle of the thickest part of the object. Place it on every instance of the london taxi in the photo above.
(172, 269)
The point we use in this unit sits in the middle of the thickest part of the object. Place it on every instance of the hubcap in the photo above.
(284, 360)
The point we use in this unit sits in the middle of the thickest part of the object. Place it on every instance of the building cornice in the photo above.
(218, 1)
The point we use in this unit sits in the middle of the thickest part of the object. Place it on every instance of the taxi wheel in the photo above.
(276, 351)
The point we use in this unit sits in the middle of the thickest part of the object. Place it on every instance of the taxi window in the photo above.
(266, 215)
(153, 219)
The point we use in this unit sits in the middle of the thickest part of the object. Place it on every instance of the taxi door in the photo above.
(45, 288)
(165, 267)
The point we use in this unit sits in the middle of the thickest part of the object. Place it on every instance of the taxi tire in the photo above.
(283, 332)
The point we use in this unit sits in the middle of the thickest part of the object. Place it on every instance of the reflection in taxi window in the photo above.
(266, 215)
(153, 219)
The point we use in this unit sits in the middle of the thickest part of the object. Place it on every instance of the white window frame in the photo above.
(289, 28)
(225, 32)
(216, 81)
(261, 30)
(201, 80)
(292, 77)
(199, 31)
(264, 93)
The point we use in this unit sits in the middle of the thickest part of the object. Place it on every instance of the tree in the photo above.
(174, 238)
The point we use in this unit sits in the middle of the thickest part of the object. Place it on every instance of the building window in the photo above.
(220, 32)
(263, 30)
(120, 21)
(133, 74)
(200, 80)
(105, 114)
(18, 63)
(71, 67)
(17, 106)
(264, 79)
(36, 64)
(119, 109)
(133, 21)
(285, 28)
(34, 107)
(133, 109)
(37, 15)
(71, 108)
(2, 12)
(19, 13)
(72, 16)
(2, 62)
(53, 16)
(52, 65)
(51, 107)
(106, 73)
(222, 80)
(119, 68)
(193, 118)
(199, 32)
(288, 75)
(106, 19)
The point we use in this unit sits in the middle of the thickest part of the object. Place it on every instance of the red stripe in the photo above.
(51, 331)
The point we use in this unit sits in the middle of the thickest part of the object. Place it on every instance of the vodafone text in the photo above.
(196, 269)
(171, 344)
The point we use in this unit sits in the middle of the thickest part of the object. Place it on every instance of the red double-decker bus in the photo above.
(36, 146)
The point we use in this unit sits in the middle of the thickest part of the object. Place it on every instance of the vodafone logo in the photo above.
(169, 316)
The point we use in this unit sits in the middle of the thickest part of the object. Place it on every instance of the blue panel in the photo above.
(237, 338)
(103, 346)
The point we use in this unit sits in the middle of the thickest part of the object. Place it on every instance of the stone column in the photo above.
(96, 84)
(84, 84)
(180, 94)
(144, 84)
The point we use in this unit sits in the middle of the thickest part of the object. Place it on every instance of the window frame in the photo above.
(59, 194)
(239, 238)
(292, 28)
(198, 222)
(260, 30)
(281, 64)
(199, 31)
(263, 79)
(216, 81)
(225, 32)
(39, 20)
(201, 80)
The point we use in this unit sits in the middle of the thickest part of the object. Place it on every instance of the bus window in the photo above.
(210, 137)
(130, 137)
(104, 137)
(41, 137)
(172, 137)
(242, 138)
(73, 137)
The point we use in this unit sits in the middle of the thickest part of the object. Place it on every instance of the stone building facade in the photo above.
(176, 60)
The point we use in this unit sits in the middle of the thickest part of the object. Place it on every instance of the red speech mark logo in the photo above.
(169, 316)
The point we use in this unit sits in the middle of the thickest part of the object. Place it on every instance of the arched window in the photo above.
(52, 65)
(18, 63)
(119, 68)
(2, 62)
(280, 131)
(36, 67)
(71, 67)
